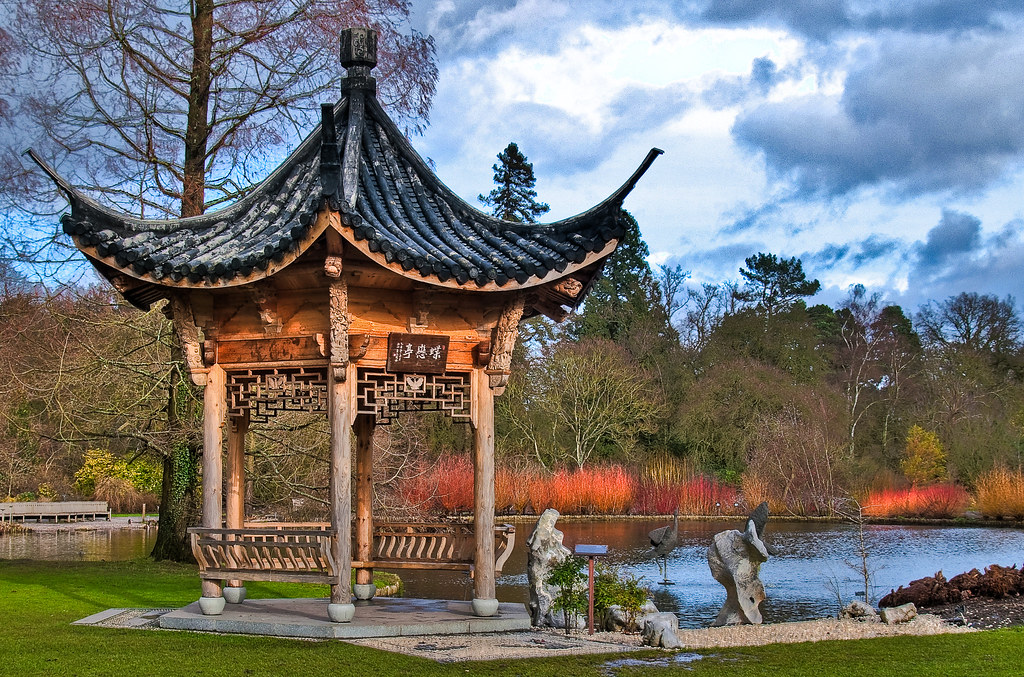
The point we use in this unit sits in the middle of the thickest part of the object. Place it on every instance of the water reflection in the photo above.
(78, 544)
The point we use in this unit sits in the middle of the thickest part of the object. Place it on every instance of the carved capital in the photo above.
(339, 328)
(188, 335)
(504, 340)
(266, 301)
(333, 267)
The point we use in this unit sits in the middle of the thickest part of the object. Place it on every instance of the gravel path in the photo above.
(537, 643)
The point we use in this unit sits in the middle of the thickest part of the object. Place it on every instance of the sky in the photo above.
(881, 142)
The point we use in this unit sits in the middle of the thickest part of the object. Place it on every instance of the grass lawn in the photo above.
(38, 601)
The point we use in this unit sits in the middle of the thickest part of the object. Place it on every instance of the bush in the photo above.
(937, 501)
(1001, 493)
(571, 582)
(612, 588)
(924, 460)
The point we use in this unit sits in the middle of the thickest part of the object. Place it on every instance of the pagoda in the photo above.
(353, 282)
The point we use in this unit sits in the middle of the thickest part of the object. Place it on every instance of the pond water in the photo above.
(84, 545)
(797, 580)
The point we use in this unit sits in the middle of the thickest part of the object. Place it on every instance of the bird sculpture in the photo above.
(664, 540)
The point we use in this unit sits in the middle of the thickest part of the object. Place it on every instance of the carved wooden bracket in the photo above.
(339, 328)
(504, 341)
(333, 267)
(209, 352)
(420, 312)
(357, 346)
(266, 301)
(482, 354)
(188, 335)
(570, 286)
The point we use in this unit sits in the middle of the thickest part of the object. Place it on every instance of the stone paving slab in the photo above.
(382, 617)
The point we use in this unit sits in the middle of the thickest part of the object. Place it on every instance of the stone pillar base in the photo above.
(341, 613)
(234, 595)
(485, 607)
(364, 591)
(211, 606)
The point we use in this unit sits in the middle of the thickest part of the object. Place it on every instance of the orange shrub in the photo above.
(703, 495)
(512, 489)
(611, 489)
(937, 500)
(1001, 493)
(454, 480)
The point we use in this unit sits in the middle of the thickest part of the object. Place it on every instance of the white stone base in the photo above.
(341, 613)
(484, 607)
(234, 595)
(364, 591)
(211, 606)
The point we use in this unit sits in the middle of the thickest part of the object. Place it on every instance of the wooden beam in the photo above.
(214, 410)
(483, 489)
(364, 425)
(238, 427)
(338, 414)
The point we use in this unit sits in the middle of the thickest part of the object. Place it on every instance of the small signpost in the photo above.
(591, 551)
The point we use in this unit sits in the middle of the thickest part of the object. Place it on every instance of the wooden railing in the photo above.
(301, 552)
(434, 546)
(293, 555)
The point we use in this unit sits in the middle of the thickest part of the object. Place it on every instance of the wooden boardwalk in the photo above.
(57, 511)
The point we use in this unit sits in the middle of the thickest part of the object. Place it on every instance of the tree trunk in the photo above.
(181, 464)
(178, 508)
(197, 131)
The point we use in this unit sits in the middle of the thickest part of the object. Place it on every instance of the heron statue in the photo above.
(664, 540)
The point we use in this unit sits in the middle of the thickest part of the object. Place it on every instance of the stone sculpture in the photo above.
(659, 630)
(544, 552)
(735, 559)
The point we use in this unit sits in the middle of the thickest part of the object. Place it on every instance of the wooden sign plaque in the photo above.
(417, 353)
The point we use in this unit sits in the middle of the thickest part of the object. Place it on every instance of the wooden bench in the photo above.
(301, 552)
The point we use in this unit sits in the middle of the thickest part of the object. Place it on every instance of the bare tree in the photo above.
(170, 108)
(972, 321)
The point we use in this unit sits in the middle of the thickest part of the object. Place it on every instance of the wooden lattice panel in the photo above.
(266, 392)
(386, 395)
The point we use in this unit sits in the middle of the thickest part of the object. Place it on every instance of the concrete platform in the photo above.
(383, 617)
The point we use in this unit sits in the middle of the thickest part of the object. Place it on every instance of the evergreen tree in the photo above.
(625, 303)
(775, 284)
(514, 199)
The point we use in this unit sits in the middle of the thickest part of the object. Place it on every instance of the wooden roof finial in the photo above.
(359, 56)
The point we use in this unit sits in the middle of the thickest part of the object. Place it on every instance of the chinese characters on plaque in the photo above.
(419, 353)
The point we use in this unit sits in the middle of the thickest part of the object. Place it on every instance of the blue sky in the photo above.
(881, 142)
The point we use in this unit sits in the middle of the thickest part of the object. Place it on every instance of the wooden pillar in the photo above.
(364, 504)
(214, 410)
(485, 602)
(238, 427)
(339, 406)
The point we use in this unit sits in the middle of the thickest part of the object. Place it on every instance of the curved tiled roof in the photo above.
(391, 206)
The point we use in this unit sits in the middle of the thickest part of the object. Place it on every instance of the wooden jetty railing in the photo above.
(301, 552)
(68, 511)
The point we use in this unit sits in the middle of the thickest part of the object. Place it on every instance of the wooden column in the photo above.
(238, 427)
(485, 602)
(364, 503)
(214, 410)
(339, 407)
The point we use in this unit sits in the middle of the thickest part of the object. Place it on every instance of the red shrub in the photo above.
(454, 481)
(937, 500)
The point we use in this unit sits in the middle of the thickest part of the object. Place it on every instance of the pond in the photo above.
(797, 581)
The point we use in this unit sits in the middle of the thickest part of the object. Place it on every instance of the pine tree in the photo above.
(624, 305)
(514, 199)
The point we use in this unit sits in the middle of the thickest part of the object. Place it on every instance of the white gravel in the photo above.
(537, 643)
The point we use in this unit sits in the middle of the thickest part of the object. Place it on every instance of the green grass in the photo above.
(38, 601)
